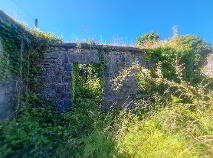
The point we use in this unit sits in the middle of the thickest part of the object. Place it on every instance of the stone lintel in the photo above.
(97, 46)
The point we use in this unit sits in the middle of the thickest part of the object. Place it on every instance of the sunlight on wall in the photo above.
(124, 74)
(208, 69)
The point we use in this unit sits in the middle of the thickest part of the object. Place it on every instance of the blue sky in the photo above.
(114, 20)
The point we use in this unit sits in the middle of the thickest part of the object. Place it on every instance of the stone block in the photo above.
(67, 77)
(83, 56)
(68, 67)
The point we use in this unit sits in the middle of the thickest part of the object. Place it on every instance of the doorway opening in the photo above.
(87, 85)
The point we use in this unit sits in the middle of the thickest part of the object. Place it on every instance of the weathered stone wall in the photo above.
(57, 79)
(57, 74)
(120, 85)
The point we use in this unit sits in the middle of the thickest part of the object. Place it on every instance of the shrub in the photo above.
(148, 38)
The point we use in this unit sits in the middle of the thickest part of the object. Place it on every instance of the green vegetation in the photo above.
(148, 38)
(172, 119)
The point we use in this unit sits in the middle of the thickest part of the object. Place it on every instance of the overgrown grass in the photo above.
(179, 130)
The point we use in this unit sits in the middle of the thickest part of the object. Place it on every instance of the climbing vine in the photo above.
(19, 61)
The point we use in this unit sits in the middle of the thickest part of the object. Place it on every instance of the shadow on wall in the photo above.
(5, 92)
(5, 108)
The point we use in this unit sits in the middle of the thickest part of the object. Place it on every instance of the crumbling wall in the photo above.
(120, 68)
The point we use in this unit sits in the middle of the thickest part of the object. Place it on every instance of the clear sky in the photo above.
(114, 20)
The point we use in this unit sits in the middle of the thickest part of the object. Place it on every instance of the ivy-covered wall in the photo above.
(21, 50)
(10, 81)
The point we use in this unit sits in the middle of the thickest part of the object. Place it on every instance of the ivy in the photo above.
(22, 51)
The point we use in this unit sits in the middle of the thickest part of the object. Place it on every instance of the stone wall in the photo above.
(120, 85)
